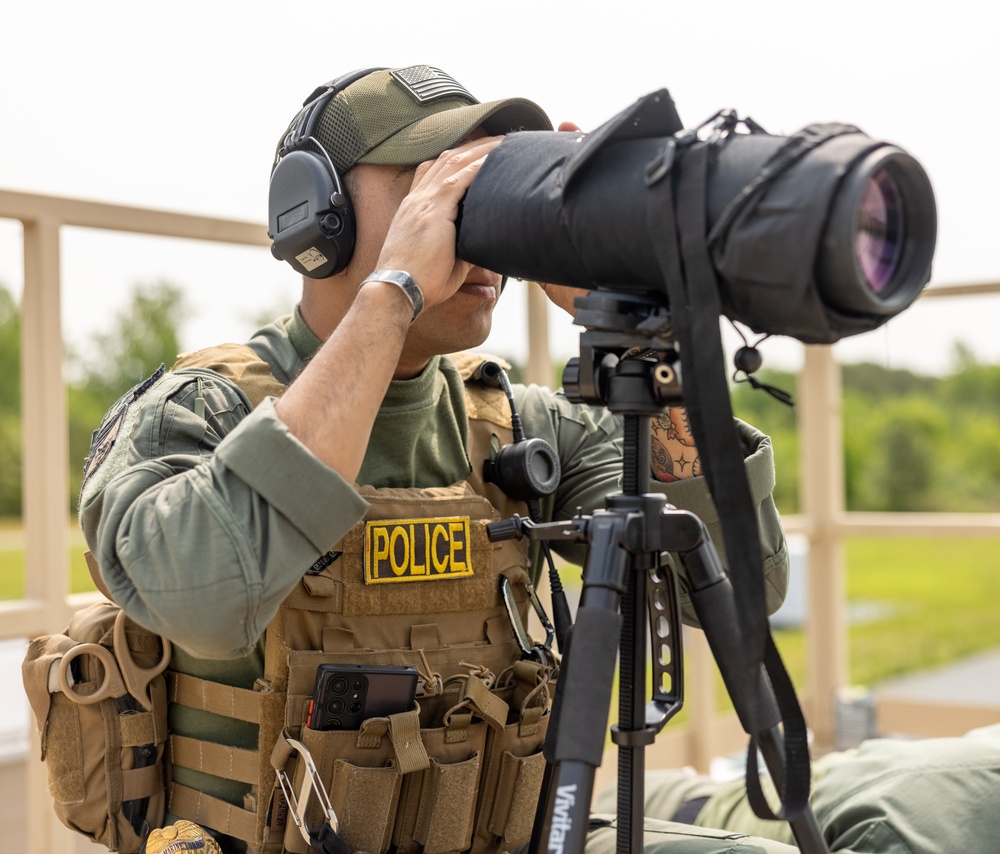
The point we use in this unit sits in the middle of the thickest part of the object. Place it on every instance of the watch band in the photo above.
(405, 282)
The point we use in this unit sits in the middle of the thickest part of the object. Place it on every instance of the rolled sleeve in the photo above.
(289, 477)
(209, 523)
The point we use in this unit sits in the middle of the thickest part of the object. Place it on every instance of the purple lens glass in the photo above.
(879, 239)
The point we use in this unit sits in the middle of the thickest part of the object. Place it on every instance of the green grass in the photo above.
(934, 601)
(12, 584)
(12, 573)
(942, 596)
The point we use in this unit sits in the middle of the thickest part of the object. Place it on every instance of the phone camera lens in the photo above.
(355, 708)
(339, 685)
(336, 706)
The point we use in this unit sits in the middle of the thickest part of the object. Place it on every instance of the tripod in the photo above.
(627, 582)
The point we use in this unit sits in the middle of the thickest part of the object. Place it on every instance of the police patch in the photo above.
(417, 550)
(105, 436)
(428, 84)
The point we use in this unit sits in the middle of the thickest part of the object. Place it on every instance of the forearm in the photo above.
(674, 455)
(332, 405)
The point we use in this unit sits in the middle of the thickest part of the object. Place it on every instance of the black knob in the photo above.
(331, 225)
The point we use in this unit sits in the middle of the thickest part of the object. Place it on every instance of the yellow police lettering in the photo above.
(380, 546)
(417, 549)
(456, 546)
(399, 534)
(439, 532)
(416, 568)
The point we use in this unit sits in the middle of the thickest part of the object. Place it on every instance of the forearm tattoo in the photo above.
(674, 455)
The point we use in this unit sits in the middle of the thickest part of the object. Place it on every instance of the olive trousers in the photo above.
(889, 796)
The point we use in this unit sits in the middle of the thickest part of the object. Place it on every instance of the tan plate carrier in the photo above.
(462, 770)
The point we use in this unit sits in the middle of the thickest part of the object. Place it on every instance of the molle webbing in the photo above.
(410, 780)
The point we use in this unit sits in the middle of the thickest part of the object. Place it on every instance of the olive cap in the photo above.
(404, 116)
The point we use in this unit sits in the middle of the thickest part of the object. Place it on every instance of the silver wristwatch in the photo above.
(405, 281)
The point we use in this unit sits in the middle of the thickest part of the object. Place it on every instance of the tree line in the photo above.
(911, 442)
(138, 338)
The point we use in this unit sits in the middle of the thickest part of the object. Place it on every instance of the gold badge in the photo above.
(417, 550)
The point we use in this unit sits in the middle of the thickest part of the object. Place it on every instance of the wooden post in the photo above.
(821, 480)
(699, 692)
(45, 483)
(539, 367)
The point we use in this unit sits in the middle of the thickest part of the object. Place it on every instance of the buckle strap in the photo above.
(371, 733)
(142, 782)
(492, 708)
(404, 730)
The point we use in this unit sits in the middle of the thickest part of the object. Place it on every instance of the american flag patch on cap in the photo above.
(428, 84)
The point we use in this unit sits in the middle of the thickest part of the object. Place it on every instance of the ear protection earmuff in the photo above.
(310, 218)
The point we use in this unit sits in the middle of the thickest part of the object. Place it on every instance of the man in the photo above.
(229, 512)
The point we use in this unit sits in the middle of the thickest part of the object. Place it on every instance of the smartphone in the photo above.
(347, 694)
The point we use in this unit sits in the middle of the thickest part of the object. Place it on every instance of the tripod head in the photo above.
(630, 362)
(628, 358)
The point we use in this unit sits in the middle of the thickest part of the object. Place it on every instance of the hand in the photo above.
(562, 295)
(421, 238)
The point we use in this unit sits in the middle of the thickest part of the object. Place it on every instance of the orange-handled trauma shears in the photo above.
(121, 674)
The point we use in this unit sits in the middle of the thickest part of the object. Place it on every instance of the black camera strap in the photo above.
(677, 231)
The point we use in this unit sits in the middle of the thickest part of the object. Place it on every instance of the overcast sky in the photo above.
(178, 106)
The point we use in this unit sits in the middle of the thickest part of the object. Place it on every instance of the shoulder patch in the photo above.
(106, 435)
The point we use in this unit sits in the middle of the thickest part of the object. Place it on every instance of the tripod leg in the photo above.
(583, 694)
(651, 595)
(632, 716)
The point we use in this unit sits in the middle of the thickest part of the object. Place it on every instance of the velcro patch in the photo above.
(417, 550)
(428, 84)
(104, 438)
